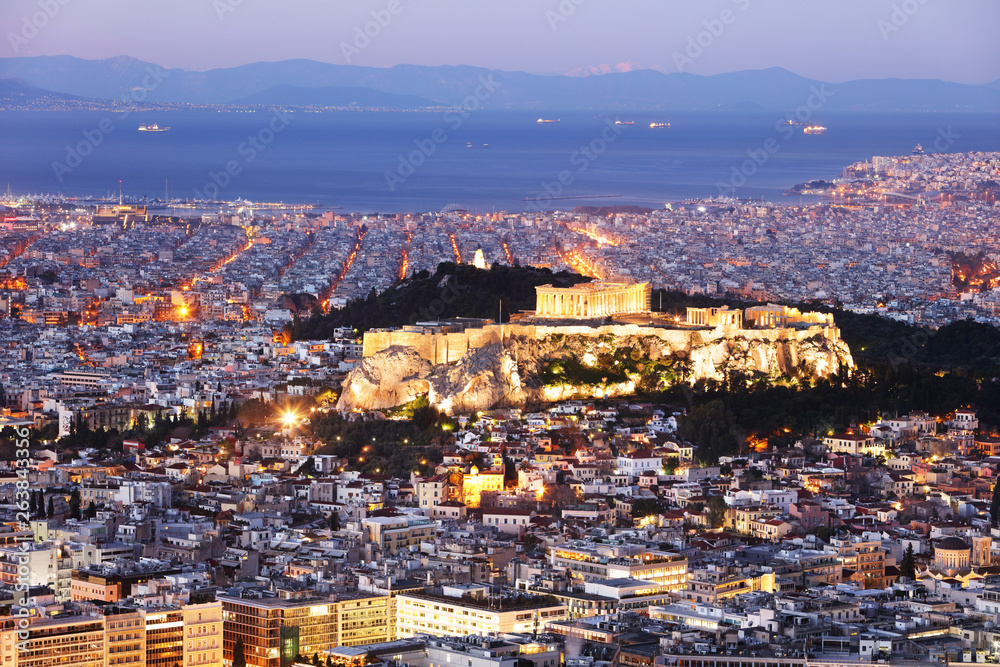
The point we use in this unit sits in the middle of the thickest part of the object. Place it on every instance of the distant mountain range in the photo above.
(311, 83)
(17, 92)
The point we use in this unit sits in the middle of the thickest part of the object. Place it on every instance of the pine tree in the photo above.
(74, 504)
(908, 566)
(91, 510)
(239, 658)
(52, 508)
(33, 504)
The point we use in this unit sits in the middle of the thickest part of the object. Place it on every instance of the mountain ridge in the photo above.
(771, 89)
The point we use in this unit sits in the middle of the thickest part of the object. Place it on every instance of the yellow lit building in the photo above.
(77, 640)
(475, 483)
(273, 628)
(442, 615)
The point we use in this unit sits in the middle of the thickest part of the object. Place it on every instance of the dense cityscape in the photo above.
(196, 497)
(514, 333)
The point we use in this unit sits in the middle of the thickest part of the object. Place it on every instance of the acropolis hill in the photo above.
(593, 340)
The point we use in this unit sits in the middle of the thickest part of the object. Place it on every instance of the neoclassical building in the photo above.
(600, 298)
(955, 560)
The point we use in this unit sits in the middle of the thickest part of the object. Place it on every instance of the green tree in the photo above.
(307, 469)
(33, 504)
(239, 657)
(91, 510)
(52, 509)
(908, 566)
(509, 471)
(74, 504)
(717, 511)
(646, 507)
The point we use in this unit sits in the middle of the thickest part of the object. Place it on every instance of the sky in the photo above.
(830, 40)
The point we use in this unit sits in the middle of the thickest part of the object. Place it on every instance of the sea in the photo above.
(482, 161)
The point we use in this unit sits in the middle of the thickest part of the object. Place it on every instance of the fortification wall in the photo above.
(446, 348)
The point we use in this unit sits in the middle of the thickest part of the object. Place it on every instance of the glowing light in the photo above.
(289, 419)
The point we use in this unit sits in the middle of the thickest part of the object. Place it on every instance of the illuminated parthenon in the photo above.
(588, 300)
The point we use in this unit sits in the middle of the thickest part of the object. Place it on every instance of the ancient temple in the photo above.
(601, 298)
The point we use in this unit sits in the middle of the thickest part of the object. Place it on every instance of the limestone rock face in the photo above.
(484, 378)
(517, 371)
(392, 377)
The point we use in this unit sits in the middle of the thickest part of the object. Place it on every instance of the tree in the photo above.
(334, 521)
(908, 566)
(74, 504)
(52, 509)
(33, 504)
(717, 511)
(91, 510)
(645, 507)
(239, 658)
(307, 469)
(509, 472)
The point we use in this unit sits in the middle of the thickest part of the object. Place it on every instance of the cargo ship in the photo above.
(549, 120)
(657, 126)
(814, 129)
(624, 122)
(153, 128)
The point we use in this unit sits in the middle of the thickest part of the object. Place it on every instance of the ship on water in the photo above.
(656, 126)
(549, 120)
(624, 122)
(153, 128)
(814, 129)
(472, 145)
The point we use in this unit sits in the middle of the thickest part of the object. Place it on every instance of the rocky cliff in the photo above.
(593, 363)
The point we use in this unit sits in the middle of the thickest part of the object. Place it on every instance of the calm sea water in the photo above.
(368, 161)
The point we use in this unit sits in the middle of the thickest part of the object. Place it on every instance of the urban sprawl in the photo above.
(581, 533)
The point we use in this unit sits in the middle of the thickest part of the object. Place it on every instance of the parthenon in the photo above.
(588, 300)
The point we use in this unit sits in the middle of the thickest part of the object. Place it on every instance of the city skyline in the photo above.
(828, 41)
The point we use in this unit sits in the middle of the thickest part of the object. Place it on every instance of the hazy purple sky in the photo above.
(833, 40)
